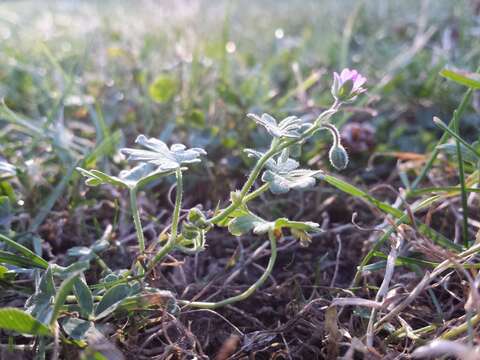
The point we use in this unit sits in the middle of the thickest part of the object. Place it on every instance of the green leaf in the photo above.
(472, 80)
(76, 267)
(245, 223)
(3, 272)
(289, 127)
(299, 225)
(195, 118)
(96, 177)
(77, 329)
(84, 297)
(63, 291)
(33, 259)
(283, 174)
(163, 88)
(111, 300)
(40, 303)
(19, 321)
(133, 178)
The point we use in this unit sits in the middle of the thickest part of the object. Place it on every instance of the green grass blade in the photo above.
(7, 257)
(466, 79)
(454, 134)
(461, 177)
(84, 296)
(403, 218)
(36, 260)
(450, 190)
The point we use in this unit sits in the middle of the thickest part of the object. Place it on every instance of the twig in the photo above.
(337, 260)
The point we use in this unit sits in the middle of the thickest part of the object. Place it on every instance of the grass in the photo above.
(81, 80)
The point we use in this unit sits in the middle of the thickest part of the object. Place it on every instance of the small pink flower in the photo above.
(348, 85)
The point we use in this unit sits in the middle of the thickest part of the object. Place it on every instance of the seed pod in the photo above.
(338, 157)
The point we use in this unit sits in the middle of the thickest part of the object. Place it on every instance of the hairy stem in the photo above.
(175, 220)
(335, 134)
(256, 193)
(136, 220)
(246, 187)
(246, 293)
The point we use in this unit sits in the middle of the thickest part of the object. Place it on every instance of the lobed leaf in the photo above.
(287, 128)
(160, 155)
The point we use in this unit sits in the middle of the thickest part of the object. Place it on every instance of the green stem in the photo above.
(460, 329)
(136, 220)
(246, 187)
(335, 134)
(246, 293)
(175, 220)
(256, 193)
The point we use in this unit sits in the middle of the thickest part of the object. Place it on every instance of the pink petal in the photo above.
(337, 77)
(345, 75)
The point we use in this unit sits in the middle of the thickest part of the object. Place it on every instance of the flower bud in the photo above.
(189, 231)
(338, 157)
(196, 217)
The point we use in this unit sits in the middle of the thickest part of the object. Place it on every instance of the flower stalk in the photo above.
(170, 245)
(136, 220)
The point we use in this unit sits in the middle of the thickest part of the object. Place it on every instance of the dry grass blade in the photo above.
(382, 292)
(427, 279)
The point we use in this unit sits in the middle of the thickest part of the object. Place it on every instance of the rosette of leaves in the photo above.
(289, 127)
(283, 173)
